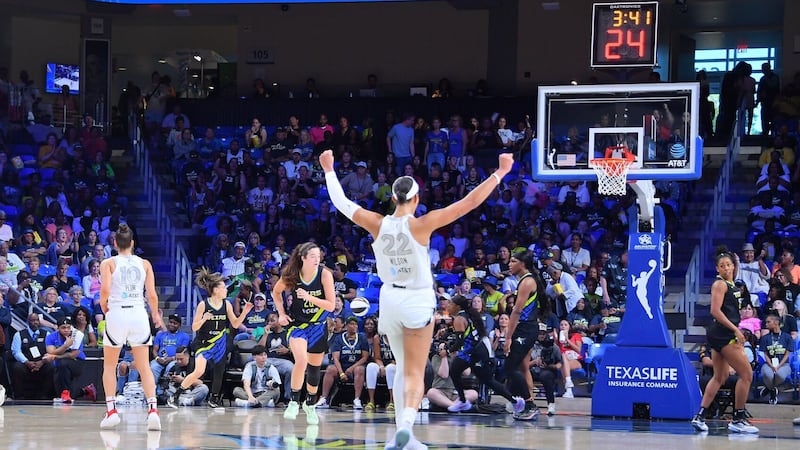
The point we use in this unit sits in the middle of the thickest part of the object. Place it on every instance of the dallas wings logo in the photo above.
(645, 239)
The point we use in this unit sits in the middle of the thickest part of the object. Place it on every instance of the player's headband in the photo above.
(411, 192)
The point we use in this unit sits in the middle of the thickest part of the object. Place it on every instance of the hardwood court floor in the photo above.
(44, 427)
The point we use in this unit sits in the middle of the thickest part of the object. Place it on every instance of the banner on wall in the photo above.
(96, 80)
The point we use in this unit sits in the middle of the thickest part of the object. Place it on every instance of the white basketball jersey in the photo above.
(400, 259)
(127, 281)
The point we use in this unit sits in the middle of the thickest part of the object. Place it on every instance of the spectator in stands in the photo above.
(788, 322)
(49, 155)
(279, 147)
(787, 261)
(65, 350)
(63, 282)
(436, 144)
(234, 264)
(256, 136)
(181, 150)
(614, 281)
(345, 287)
(169, 120)
(576, 259)
(492, 297)
(75, 300)
(400, 141)
(209, 146)
(358, 185)
(311, 90)
(32, 242)
(485, 143)
(165, 346)
(81, 318)
(346, 138)
(749, 321)
(442, 391)
(184, 365)
(563, 288)
(8, 280)
(777, 346)
(257, 317)
(293, 165)
(349, 355)
(570, 343)
(783, 180)
(95, 144)
(318, 131)
(155, 102)
(30, 369)
(261, 383)
(607, 323)
(768, 89)
(234, 152)
(278, 353)
(545, 362)
(15, 264)
(383, 365)
(30, 96)
(6, 233)
(754, 273)
(306, 145)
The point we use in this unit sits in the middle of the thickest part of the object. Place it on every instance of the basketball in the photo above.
(359, 306)
(652, 263)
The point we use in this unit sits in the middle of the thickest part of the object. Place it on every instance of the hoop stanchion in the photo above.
(612, 173)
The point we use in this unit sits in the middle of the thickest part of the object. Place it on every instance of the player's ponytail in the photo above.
(124, 236)
(206, 279)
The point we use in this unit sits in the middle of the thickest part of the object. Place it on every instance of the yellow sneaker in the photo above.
(390, 407)
(370, 407)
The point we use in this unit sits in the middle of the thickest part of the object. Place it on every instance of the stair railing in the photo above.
(187, 291)
(701, 255)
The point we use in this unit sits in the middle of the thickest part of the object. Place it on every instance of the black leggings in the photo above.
(548, 379)
(523, 339)
(483, 368)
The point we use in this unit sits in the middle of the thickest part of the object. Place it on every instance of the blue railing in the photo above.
(173, 252)
(700, 256)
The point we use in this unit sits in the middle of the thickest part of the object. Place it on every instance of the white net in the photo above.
(612, 173)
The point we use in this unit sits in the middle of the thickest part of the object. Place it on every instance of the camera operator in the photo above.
(545, 363)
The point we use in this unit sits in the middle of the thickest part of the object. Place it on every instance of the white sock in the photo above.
(111, 404)
(407, 418)
(152, 403)
(568, 380)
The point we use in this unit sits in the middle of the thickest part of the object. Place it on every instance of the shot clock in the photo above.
(624, 34)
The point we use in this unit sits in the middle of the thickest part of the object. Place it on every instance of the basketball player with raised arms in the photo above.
(407, 299)
(125, 281)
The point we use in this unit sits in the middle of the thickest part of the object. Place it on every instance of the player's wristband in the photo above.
(496, 177)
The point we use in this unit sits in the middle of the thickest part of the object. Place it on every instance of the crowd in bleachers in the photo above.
(256, 191)
(768, 275)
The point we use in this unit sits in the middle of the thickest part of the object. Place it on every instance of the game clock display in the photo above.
(624, 34)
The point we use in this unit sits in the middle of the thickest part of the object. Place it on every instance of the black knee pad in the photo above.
(312, 375)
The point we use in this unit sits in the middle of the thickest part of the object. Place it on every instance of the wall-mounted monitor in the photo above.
(58, 75)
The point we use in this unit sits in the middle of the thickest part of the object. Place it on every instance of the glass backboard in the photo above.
(654, 124)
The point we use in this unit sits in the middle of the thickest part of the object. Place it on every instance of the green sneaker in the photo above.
(291, 411)
(311, 414)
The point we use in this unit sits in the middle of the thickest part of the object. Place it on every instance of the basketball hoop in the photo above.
(611, 174)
